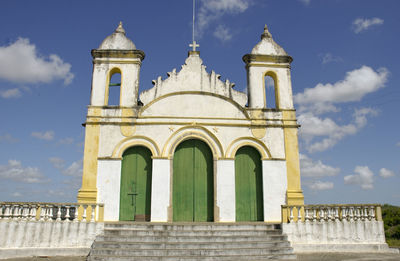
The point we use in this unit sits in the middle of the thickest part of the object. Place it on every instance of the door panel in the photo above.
(193, 187)
(135, 197)
(248, 184)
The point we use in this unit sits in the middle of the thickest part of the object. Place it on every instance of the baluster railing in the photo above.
(371, 215)
(336, 213)
(93, 215)
(84, 212)
(58, 213)
(67, 216)
(322, 213)
(306, 213)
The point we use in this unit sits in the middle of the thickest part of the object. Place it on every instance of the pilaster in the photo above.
(225, 186)
(294, 193)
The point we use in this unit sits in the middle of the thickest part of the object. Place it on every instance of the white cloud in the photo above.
(363, 178)
(16, 172)
(330, 132)
(8, 138)
(56, 193)
(66, 141)
(74, 170)
(385, 173)
(212, 10)
(47, 135)
(10, 93)
(310, 168)
(21, 63)
(58, 163)
(324, 98)
(305, 2)
(16, 194)
(269, 82)
(354, 87)
(320, 185)
(328, 58)
(222, 33)
(360, 24)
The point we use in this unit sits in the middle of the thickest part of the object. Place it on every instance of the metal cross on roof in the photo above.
(193, 44)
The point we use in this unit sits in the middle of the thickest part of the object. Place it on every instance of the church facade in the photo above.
(191, 148)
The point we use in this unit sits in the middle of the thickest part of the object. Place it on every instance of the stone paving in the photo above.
(300, 257)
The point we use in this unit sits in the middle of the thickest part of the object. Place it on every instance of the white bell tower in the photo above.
(116, 54)
(268, 59)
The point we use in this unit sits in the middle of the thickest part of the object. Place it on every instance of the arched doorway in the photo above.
(248, 185)
(135, 197)
(193, 182)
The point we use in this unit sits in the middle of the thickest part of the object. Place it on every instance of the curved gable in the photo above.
(193, 77)
(194, 105)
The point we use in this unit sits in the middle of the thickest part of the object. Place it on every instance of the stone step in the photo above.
(189, 245)
(174, 233)
(191, 241)
(192, 252)
(193, 226)
(220, 238)
(191, 258)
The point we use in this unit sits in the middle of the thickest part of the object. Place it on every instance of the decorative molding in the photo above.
(248, 58)
(193, 77)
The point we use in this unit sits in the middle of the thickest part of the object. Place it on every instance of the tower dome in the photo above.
(267, 45)
(117, 41)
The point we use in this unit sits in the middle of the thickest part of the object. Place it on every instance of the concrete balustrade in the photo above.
(62, 212)
(321, 213)
(48, 229)
(335, 228)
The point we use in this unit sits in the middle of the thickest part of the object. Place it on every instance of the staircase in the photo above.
(191, 241)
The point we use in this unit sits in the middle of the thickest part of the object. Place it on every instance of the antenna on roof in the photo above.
(193, 44)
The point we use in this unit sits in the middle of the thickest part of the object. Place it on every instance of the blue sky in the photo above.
(344, 75)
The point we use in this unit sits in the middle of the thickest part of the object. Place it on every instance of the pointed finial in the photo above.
(266, 33)
(120, 29)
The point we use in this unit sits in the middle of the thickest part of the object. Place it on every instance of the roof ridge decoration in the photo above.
(267, 45)
(117, 40)
(193, 77)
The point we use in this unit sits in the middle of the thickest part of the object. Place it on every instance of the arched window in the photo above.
(114, 88)
(270, 92)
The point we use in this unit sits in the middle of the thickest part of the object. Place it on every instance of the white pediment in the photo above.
(194, 105)
(193, 77)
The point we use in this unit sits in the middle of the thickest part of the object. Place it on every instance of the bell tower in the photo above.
(117, 54)
(269, 60)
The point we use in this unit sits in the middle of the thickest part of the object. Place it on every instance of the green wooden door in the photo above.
(135, 184)
(248, 184)
(193, 182)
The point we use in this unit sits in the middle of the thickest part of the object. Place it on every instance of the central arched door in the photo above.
(248, 185)
(135, 194)
(193, 182)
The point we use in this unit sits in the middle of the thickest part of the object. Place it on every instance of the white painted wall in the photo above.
(108, 187)
(337, 236)
(160, 190)
(226, 190)
(274, 189)
(33, 238)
